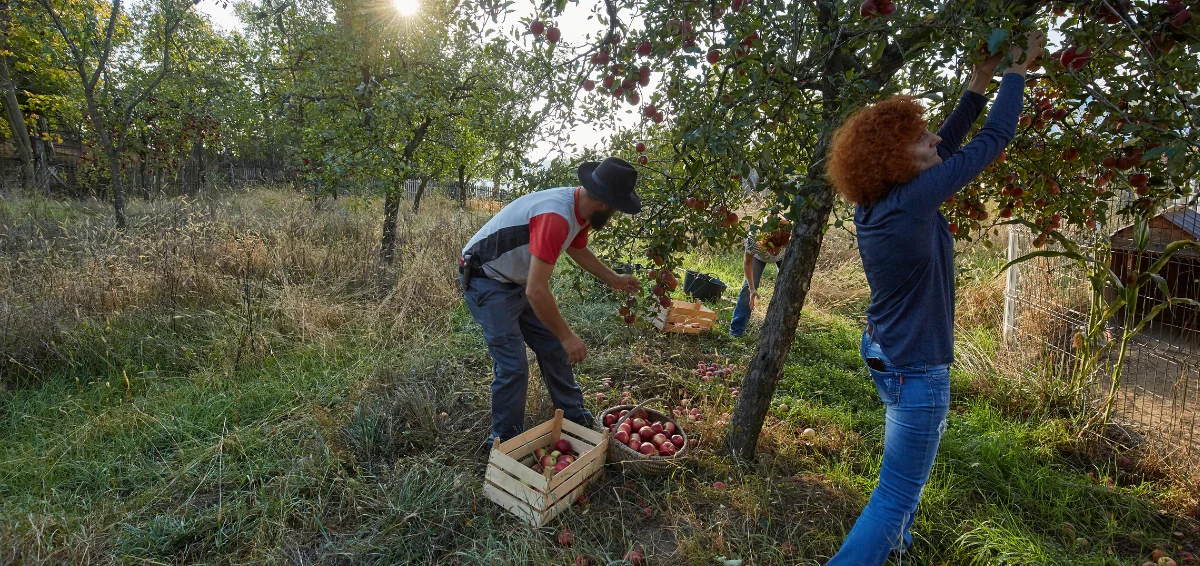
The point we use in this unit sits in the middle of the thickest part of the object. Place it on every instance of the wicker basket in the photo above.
(634, 461)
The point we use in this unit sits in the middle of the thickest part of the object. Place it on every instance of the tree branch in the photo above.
(127, 116)
(107, 48)
(62, 30)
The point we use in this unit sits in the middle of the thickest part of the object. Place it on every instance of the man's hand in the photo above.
(753, 299)
(627, 283)
(576, 349)
(537, 290)
(590, 264)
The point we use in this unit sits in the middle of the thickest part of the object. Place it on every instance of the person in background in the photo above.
(761, 249)
(505, 274)
(897, 173)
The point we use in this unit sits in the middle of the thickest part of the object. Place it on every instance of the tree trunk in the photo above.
(16, 121)
(118, 193)
(112, 150)
(417, 198)
(813, 204)
(462, 185)
(783, 315)
(201, 164)
(43, 153)
(391, 203)
(391, 209)
(195, 182)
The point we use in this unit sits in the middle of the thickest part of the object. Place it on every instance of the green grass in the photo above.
(142, 441)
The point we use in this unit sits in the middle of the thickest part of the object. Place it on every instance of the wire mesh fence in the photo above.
(475, 190)
(1047, 305)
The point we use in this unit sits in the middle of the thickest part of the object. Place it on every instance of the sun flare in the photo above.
(407, 7)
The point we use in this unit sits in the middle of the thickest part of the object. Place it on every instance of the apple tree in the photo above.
(373, 98)
(1107, 141)
(98, 45)
(758, 87)
(33, 86)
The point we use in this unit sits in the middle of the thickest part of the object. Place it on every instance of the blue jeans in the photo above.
(917, 398)
(741, 313)
(509, 323)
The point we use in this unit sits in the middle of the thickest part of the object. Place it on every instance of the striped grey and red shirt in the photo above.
(540, 224)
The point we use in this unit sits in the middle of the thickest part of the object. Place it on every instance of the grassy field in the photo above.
(236, 381)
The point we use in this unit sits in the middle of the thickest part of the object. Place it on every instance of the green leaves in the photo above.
(997, 39)
(1141, 233)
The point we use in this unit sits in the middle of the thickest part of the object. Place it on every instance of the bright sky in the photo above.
(221, 17)
(574, 23)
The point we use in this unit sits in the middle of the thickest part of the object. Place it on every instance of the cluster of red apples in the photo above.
(657, 438)
(557, 459)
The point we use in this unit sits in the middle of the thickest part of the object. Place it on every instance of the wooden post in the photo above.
(1010, 288)
(556, 432)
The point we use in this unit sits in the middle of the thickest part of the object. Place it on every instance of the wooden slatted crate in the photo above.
(682, 316)
(537, 498)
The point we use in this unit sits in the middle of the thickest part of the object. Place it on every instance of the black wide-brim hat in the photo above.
(612, 182)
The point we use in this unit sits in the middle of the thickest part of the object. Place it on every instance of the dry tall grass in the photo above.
(838, 283)
(310, 269)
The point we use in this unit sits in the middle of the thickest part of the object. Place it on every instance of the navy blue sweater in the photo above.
(906, 247)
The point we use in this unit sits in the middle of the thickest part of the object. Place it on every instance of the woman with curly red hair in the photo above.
(898, 173)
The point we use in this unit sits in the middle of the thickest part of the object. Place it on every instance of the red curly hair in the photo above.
(870, 152)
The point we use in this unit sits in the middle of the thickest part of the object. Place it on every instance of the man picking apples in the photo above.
(505, 273)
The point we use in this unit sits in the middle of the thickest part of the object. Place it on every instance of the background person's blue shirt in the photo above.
(903, 239)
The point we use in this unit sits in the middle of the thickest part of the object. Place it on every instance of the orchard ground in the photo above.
(236, 381)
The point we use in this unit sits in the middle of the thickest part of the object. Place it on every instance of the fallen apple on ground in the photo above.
(566, 537)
